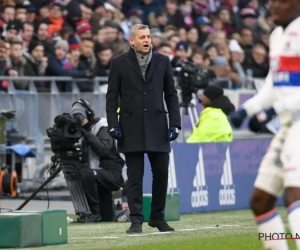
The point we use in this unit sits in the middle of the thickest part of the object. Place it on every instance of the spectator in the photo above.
(192, 36)
(74, 47)
(156, 38)
(181, 53)
(27, 34)
(174, 15)
(233, 7)
(87, 62)
(20, 13)
(8, 14)
(212, 52)
(20, 9)
(20, 65)
(42, 33)
(257, 62)
(31, 13)
(34, 57)
(13, 30)
(147, 7)
(104, 55)
(83, 30)
(254, 5)
(217, 25)
(55, 19)
(264, 40)
(86, 11)
(203, 29)
(246, 39)
(237, 58)
(165, 49)
(248, 17)
(3, 55)
(5, 69)
(265, 22)
(224, 16)
(161, 20)
(187, 11)
(98, 7)
(174, 40)
(112, 29)
(101, 35)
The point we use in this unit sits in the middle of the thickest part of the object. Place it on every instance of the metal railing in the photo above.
(35, 111)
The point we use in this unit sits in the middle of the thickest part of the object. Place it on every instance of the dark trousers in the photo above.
(135, 170)
(96, 193)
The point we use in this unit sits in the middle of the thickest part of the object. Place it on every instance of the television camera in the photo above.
(68, 157)
(64, 137)
(191, 78)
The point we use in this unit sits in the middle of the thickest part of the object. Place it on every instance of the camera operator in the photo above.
(181, 56)
(192, 73)
(104, 174)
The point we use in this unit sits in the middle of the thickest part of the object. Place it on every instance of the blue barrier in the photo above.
(213, 177)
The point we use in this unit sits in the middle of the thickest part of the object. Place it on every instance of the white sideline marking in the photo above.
(161, 233)
(187, 229)
(154, 233)
(228, 225)
(135, 235)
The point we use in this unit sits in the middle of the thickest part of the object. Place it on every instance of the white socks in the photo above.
(293, 212)
(269, 224)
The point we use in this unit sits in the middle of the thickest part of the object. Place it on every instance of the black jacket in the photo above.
(111, 162)
(143, 118)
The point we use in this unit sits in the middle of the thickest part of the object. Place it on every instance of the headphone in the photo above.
(88, 110)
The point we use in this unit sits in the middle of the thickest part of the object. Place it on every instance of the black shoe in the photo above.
(161, 225)
(135, 228)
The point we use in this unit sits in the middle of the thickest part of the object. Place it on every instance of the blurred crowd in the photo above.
(78, 38)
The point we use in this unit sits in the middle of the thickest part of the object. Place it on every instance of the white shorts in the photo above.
(280, 167)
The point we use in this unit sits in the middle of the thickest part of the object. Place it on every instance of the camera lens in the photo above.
(72, 129)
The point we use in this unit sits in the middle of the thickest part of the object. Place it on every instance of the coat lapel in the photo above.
(131, 60)
(152, 66)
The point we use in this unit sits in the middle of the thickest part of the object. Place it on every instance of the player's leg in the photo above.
(290, 158)
(267, 187)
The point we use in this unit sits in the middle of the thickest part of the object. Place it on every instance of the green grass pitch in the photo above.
(229, 230)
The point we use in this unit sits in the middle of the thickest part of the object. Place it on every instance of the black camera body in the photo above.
(198, 76)
(191, 78)
(64, 134)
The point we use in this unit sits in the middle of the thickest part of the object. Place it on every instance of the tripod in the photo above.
(51, 177)
(191, 111)
(68, 163)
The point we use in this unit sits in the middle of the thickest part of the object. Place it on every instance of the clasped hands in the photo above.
(117, 134)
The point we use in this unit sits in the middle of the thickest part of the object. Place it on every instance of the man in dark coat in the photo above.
(138, 80)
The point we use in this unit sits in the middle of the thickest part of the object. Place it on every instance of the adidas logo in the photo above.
(172, 181)
(199, 198)
(227, 194)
